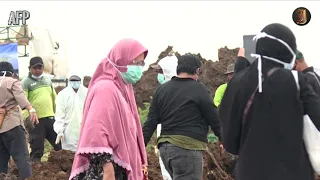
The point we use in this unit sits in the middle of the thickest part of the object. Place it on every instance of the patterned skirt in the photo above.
(95, 171)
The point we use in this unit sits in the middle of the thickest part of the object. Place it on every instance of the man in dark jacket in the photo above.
(185, 110)
(262, 118)
(312, 77)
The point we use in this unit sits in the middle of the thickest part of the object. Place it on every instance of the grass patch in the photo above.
(47, 149)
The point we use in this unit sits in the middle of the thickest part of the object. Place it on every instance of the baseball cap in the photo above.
(230, 69)
(74, 78)
(36, 61)
(299, 55)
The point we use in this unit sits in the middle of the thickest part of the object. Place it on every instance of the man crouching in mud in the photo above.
(262, 112)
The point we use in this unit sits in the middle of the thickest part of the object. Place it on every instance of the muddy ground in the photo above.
(59, 165)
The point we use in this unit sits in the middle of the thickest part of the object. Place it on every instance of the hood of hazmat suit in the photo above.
(169, 67)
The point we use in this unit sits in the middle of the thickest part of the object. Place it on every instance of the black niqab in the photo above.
(269, 140)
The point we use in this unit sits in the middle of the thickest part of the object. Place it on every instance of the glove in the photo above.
(60, 138)
(156, 150)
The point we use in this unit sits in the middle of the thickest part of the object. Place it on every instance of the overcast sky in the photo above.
(87, 30)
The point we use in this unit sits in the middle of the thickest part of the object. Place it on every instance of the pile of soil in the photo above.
(218, 165)
(154, 171)
(58, 167)
(212, 73)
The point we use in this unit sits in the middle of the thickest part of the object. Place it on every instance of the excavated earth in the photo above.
(217, 166)
(58, 167)
(212, 73)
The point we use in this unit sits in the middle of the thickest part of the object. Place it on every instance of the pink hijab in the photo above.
(111, 122)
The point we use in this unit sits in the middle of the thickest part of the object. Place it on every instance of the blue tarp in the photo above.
(9, 52)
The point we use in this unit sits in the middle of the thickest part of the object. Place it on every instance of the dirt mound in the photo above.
(154, 169)
(217, 165)
(58, 167)
(212, 73)
(8, 177)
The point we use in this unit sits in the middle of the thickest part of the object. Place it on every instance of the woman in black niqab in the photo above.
(268, 138)
(241, 64)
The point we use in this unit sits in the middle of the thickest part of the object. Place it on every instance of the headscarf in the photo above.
(111, 122)
(277, 43)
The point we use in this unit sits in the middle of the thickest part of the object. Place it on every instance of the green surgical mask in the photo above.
(133, 74)
(161, 78)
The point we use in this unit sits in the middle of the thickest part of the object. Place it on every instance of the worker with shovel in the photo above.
(12, 132)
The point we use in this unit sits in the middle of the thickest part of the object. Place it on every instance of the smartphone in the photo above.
(250, 47)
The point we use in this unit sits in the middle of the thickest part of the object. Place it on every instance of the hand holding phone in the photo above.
(241, 52)
(250, 47)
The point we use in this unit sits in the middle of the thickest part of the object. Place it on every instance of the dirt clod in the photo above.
(154, 170)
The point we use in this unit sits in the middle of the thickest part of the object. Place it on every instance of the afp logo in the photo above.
(16, 17)
(301, 16)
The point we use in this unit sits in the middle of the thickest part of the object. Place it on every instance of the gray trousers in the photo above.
(13, 143)
(182, 164)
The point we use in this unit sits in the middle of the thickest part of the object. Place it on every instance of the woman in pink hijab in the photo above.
(111, 145)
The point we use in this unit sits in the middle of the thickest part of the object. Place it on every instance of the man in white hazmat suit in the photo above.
(168, 66)
(69, 108)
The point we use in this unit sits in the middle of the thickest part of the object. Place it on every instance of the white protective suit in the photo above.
(169, 67)
(69, 110)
